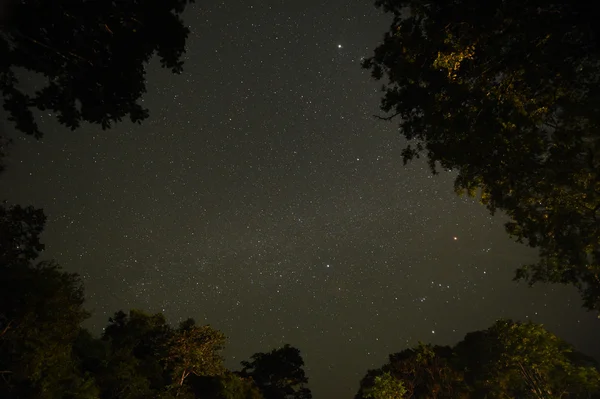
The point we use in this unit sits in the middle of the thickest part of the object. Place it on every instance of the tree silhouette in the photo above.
(195, 350)
(92, 55)
(507, 360)
(278, 374)
(20, 230)
(385, 386)
(506, 94)
(425, 372)
(522, 360)
(228, 385)
(46, 354)
(41, 309)
(136, 344)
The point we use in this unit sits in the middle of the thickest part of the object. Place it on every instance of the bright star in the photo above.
(339, 46)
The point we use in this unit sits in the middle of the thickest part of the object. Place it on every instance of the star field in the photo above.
(262, 197)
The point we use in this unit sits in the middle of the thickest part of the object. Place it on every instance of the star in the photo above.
(302, 167)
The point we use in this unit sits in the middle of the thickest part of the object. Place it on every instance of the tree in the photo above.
(41, 309)
(194, 350)
(92, 56)
(525, 360)
(385, 386)
(507, 360)
(278, 374)
(134, 365)
(506, 94)
(20, 230)
(143, 356)
(425, 372)
(224, 386)
(233, 386)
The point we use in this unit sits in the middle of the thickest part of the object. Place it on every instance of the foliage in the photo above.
(135, 349)
(92, 56)
(508, 360)
(423, 372)
(41, 309)
(44, 352)
(224, 386)
(235, 387)
(278, 374)
(524, 360)
(385, 386)
(195, 350)
(506, 94)
(20, 229)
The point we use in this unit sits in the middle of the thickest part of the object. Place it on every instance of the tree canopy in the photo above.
(92, 56)
(507, 360)
(524, 360)
(505, 93)
(20, 229)
(45, 353)
(41, 309)
(278, 374)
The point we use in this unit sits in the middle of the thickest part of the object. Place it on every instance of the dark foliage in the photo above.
(20, 230)
(91, 54)
(278, 374)
(508, 360)
(506, 93)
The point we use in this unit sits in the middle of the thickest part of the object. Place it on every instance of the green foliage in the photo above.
(45, 354)
(41, 309)
(92, 56)
(524, 360)
(134, 359)
(423, 372)
(140, 356)
(194, 350)
(385, 386)
(506, 94)
(278, 374)
(508, 360)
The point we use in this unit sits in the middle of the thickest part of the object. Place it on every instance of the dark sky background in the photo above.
(262, 197)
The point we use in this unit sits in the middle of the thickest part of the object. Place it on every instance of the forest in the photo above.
(46, 353)
(504, 93)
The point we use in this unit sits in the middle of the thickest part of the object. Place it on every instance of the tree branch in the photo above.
(387, 118)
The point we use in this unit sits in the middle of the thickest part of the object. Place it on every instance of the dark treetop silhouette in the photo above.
(506, 94)
(279, 374)
(508, 360)
(46, 354)
(92, 55)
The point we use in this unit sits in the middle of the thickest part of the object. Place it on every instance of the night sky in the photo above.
(262, 197)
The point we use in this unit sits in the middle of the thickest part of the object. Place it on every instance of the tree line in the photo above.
(45, 353)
